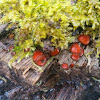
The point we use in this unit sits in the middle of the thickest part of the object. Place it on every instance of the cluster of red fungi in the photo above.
(40, 59)
(77, 51)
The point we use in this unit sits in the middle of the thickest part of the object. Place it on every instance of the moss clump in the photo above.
(39, 19)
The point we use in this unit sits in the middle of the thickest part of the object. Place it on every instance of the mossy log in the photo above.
(25, 69)
(56, 83)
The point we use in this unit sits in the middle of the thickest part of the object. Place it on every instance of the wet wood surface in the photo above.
(25, 69)
(55, 85)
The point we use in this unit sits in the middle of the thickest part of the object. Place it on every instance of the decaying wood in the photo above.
(55, 83)
(25, 69)
(74, 86)
(61, 84)
(28, 71)
(3, 27)
(91, 62)
(65, 57)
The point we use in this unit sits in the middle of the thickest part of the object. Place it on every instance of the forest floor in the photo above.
(79, 83)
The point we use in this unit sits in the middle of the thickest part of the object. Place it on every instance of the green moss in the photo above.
(39, 19)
